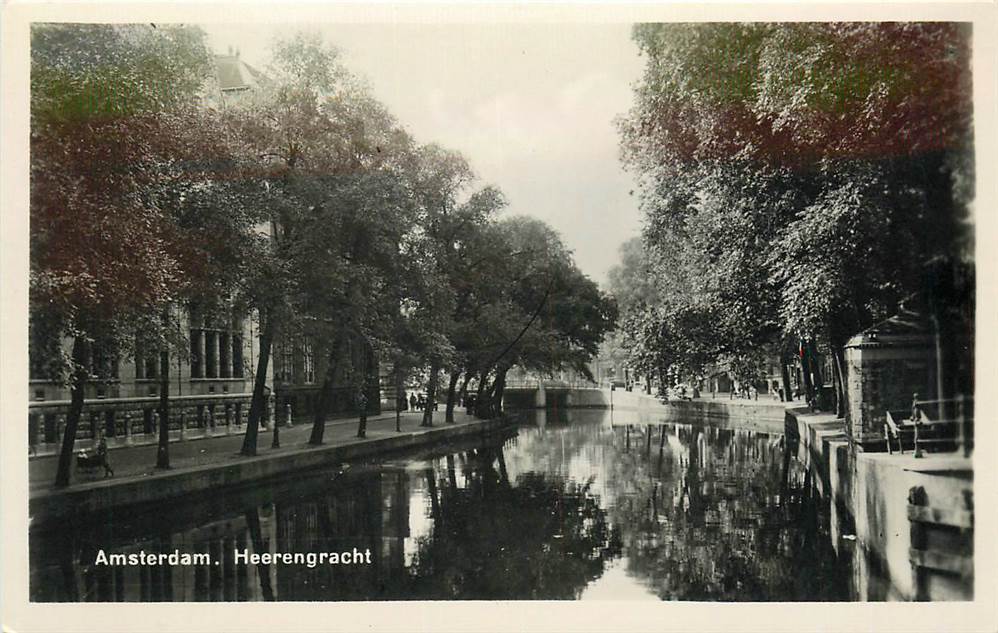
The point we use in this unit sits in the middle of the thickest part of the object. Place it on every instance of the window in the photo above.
(224, 355)
(237, 355)
(287, 362)
(146, 363)
(216, 346)
(211, 354)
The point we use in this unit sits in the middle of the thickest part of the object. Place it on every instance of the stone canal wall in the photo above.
(635, 407)
(912, 518)
(101, 496)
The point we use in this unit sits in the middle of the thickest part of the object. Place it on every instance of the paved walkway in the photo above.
(140, 461)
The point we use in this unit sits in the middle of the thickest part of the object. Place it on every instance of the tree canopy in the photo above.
(794, 181)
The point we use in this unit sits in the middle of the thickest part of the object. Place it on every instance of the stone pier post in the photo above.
(127, 415)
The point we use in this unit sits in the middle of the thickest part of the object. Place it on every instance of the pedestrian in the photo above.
(412, 401)
(102, 456)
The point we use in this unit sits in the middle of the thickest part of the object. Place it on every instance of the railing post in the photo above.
(60, 428)
(128, 426)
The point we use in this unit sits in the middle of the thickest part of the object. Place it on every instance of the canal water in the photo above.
(567, 505)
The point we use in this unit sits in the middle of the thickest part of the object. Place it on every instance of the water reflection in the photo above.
(571, 505)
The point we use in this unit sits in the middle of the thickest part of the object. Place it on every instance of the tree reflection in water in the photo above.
(728, 520)
(542, 537)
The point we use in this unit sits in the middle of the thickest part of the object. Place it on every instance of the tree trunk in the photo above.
(841, 397)
(81, 349)
(498, 389)
(259, 402)
(451, 396)
(785, 374)
(362, 405)
(362, 391)
(481, 406)
(463, 392)
(163, 450)
(431, 393)
(805, 367)
(399, 397)
(817, 375)
(325, 395)
(817, 380)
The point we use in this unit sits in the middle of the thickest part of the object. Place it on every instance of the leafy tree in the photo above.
(796, 177)
(311, 133)
(115, 131)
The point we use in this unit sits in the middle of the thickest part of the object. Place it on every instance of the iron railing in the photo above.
(935, 426)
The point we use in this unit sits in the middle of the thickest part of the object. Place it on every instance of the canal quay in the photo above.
(690, 500)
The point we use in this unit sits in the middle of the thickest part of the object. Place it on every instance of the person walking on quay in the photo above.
(412, 401)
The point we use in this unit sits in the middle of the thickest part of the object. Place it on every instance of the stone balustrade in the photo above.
(135, 421)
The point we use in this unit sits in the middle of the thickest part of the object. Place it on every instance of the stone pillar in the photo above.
(127, 416)
(60, 428)
(209, 427)
(202, 340)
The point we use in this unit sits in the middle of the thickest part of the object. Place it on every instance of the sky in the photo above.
(531, 106)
